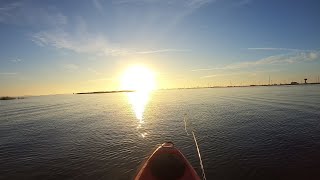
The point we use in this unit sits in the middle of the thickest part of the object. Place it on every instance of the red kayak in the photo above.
(167, 162)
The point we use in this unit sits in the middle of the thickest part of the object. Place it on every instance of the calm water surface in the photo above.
(243, 133)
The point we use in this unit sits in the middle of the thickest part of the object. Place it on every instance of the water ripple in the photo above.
(243, 133)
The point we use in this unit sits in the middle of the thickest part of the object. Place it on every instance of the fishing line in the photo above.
(185, 124)
(196, 143)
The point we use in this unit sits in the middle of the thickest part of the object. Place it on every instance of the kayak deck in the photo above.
(168, 163)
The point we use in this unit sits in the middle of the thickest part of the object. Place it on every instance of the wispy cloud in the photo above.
(171, 12)
(97, 4)
(16, 60)
(84, 42)
(278, 59)
(70, 67)
(197, 3)
(7, 9)
(99, 80)
(56, 30)
(297, 57)
(219, 75)
(278, 49)
(251, 73)
(209, 76)
(93, 71)
(80, 42)
(162, 51)
(208, 69)
(302, 56)
(190, 3)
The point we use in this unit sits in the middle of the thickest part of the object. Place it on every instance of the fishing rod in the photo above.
(196, 143)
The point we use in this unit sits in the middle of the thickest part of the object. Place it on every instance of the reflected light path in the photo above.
(142, 80)
(138, 101)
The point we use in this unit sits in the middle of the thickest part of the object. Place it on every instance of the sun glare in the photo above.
(138, 78)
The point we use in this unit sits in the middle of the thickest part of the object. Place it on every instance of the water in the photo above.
(243, 133)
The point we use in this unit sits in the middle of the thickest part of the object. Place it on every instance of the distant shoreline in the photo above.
(126, 91)
(203, 87)
(103, 92)
(10, 98)
(252, 85)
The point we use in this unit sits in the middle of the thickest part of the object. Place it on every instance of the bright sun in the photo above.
(138, 78)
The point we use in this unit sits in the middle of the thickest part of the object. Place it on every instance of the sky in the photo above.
(55, 47)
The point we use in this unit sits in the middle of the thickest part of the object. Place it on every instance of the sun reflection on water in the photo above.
(138, 101)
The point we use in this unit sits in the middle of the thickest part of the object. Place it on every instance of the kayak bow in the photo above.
(168, 163)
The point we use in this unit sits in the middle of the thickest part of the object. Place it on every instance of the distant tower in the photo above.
(305, 80)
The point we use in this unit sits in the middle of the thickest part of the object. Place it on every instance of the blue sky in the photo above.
(50, 47)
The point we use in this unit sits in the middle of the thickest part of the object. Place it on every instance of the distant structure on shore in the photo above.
(305, 80)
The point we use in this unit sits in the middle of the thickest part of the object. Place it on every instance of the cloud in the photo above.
(7, 9)
(85, 42)
(169, 11)
(99, 80)
(208, 69)
(314, 55)
(278, 59)
(277, 49)
(93, 71)
(81, 42)
(97, 4)
(251, 73)
(291, 58)
(209, 76)
(16, 60)
(53, 28)
(219, 75)
(70, 67)
(189, 3)
(197, 3)
(161, 51)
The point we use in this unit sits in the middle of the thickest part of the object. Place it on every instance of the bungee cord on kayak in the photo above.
(196, 143)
